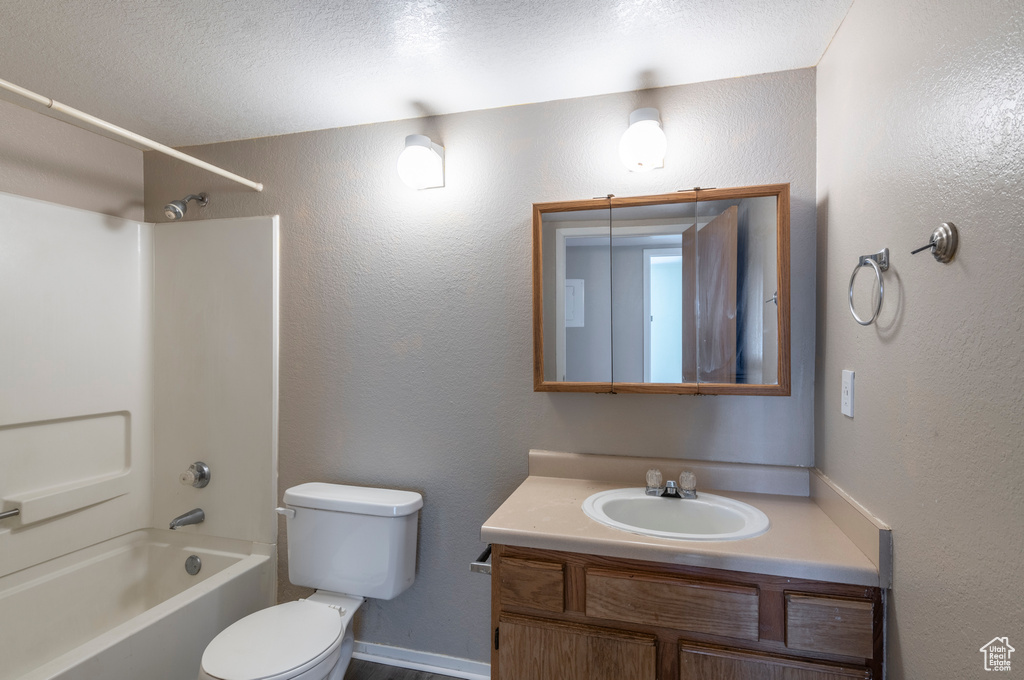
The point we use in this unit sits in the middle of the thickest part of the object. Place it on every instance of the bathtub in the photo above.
(126, 609)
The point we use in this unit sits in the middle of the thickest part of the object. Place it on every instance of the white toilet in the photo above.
(349, 543)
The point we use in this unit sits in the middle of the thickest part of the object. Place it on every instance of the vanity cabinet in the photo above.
(558, 615)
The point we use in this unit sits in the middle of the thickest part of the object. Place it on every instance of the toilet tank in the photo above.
(352, 539)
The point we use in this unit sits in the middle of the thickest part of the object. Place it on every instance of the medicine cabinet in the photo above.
(684, 293)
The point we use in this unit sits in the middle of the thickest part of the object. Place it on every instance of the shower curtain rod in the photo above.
(121, 132)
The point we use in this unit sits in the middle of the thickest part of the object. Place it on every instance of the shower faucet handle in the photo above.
(197, 475)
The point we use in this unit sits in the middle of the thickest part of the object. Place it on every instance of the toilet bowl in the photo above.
(352, 543)
(308, 639)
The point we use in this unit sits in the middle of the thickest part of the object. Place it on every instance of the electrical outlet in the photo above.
(847, 403)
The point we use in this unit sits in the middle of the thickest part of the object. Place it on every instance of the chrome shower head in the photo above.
(175, 210)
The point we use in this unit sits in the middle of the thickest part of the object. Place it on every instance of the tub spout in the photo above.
(191, 517)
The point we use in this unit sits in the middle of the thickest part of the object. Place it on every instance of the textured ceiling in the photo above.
(198, 71)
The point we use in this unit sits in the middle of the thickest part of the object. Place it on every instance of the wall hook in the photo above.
(943, 244)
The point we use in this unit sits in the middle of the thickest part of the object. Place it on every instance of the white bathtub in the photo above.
(126, 609)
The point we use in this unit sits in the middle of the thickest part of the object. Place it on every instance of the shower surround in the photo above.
(128, 351)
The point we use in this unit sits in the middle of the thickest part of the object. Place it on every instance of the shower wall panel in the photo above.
(75, 378)
(216, 373)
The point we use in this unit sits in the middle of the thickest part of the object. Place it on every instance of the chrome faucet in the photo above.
(687, 487)
(671, 490)
(191, 517)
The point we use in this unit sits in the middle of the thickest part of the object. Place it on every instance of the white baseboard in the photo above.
(422, 661)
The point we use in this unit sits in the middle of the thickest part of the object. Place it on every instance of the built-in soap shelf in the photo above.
(43, 504)
(54, 467)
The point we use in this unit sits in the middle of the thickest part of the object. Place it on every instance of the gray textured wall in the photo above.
(628, 313)
(921, 121)
(588, 348)
(405, 316)
(50, 160)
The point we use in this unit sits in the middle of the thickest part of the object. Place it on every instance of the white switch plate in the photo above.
(574, 303)
(847, 403)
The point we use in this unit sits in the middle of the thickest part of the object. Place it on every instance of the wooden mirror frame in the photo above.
(782, 389)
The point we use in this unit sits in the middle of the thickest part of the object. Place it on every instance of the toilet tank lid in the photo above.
(361, 500)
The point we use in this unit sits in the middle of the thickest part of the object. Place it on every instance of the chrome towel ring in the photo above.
(880, 263)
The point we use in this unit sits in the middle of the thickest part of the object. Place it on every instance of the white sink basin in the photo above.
(705, 518)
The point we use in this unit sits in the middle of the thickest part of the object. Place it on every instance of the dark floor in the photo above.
(364, 670)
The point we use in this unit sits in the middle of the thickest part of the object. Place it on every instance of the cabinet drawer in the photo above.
(532, 583)
(695, 606)
(830, 625)
(697, 662)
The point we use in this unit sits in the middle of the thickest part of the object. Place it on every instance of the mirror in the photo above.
(682, 293)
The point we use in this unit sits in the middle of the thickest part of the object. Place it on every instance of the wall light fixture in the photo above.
(643, 144)
(421, 163)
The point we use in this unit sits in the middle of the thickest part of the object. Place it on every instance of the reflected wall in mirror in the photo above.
(681, 293)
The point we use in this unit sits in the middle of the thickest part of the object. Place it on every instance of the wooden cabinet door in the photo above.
(536, 649)
(713, 663)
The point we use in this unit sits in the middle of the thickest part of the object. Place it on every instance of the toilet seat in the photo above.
(277, 643)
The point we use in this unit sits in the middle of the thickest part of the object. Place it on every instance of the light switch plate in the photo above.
(574, 303)
(847, 403)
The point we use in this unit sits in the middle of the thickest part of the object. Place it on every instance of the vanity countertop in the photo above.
(803, 542)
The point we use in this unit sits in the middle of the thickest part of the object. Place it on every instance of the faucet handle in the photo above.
(197, 475)
(688, 484)
(655, 482)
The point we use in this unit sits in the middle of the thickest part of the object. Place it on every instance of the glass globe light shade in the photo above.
(643, 144)
(421, 163)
